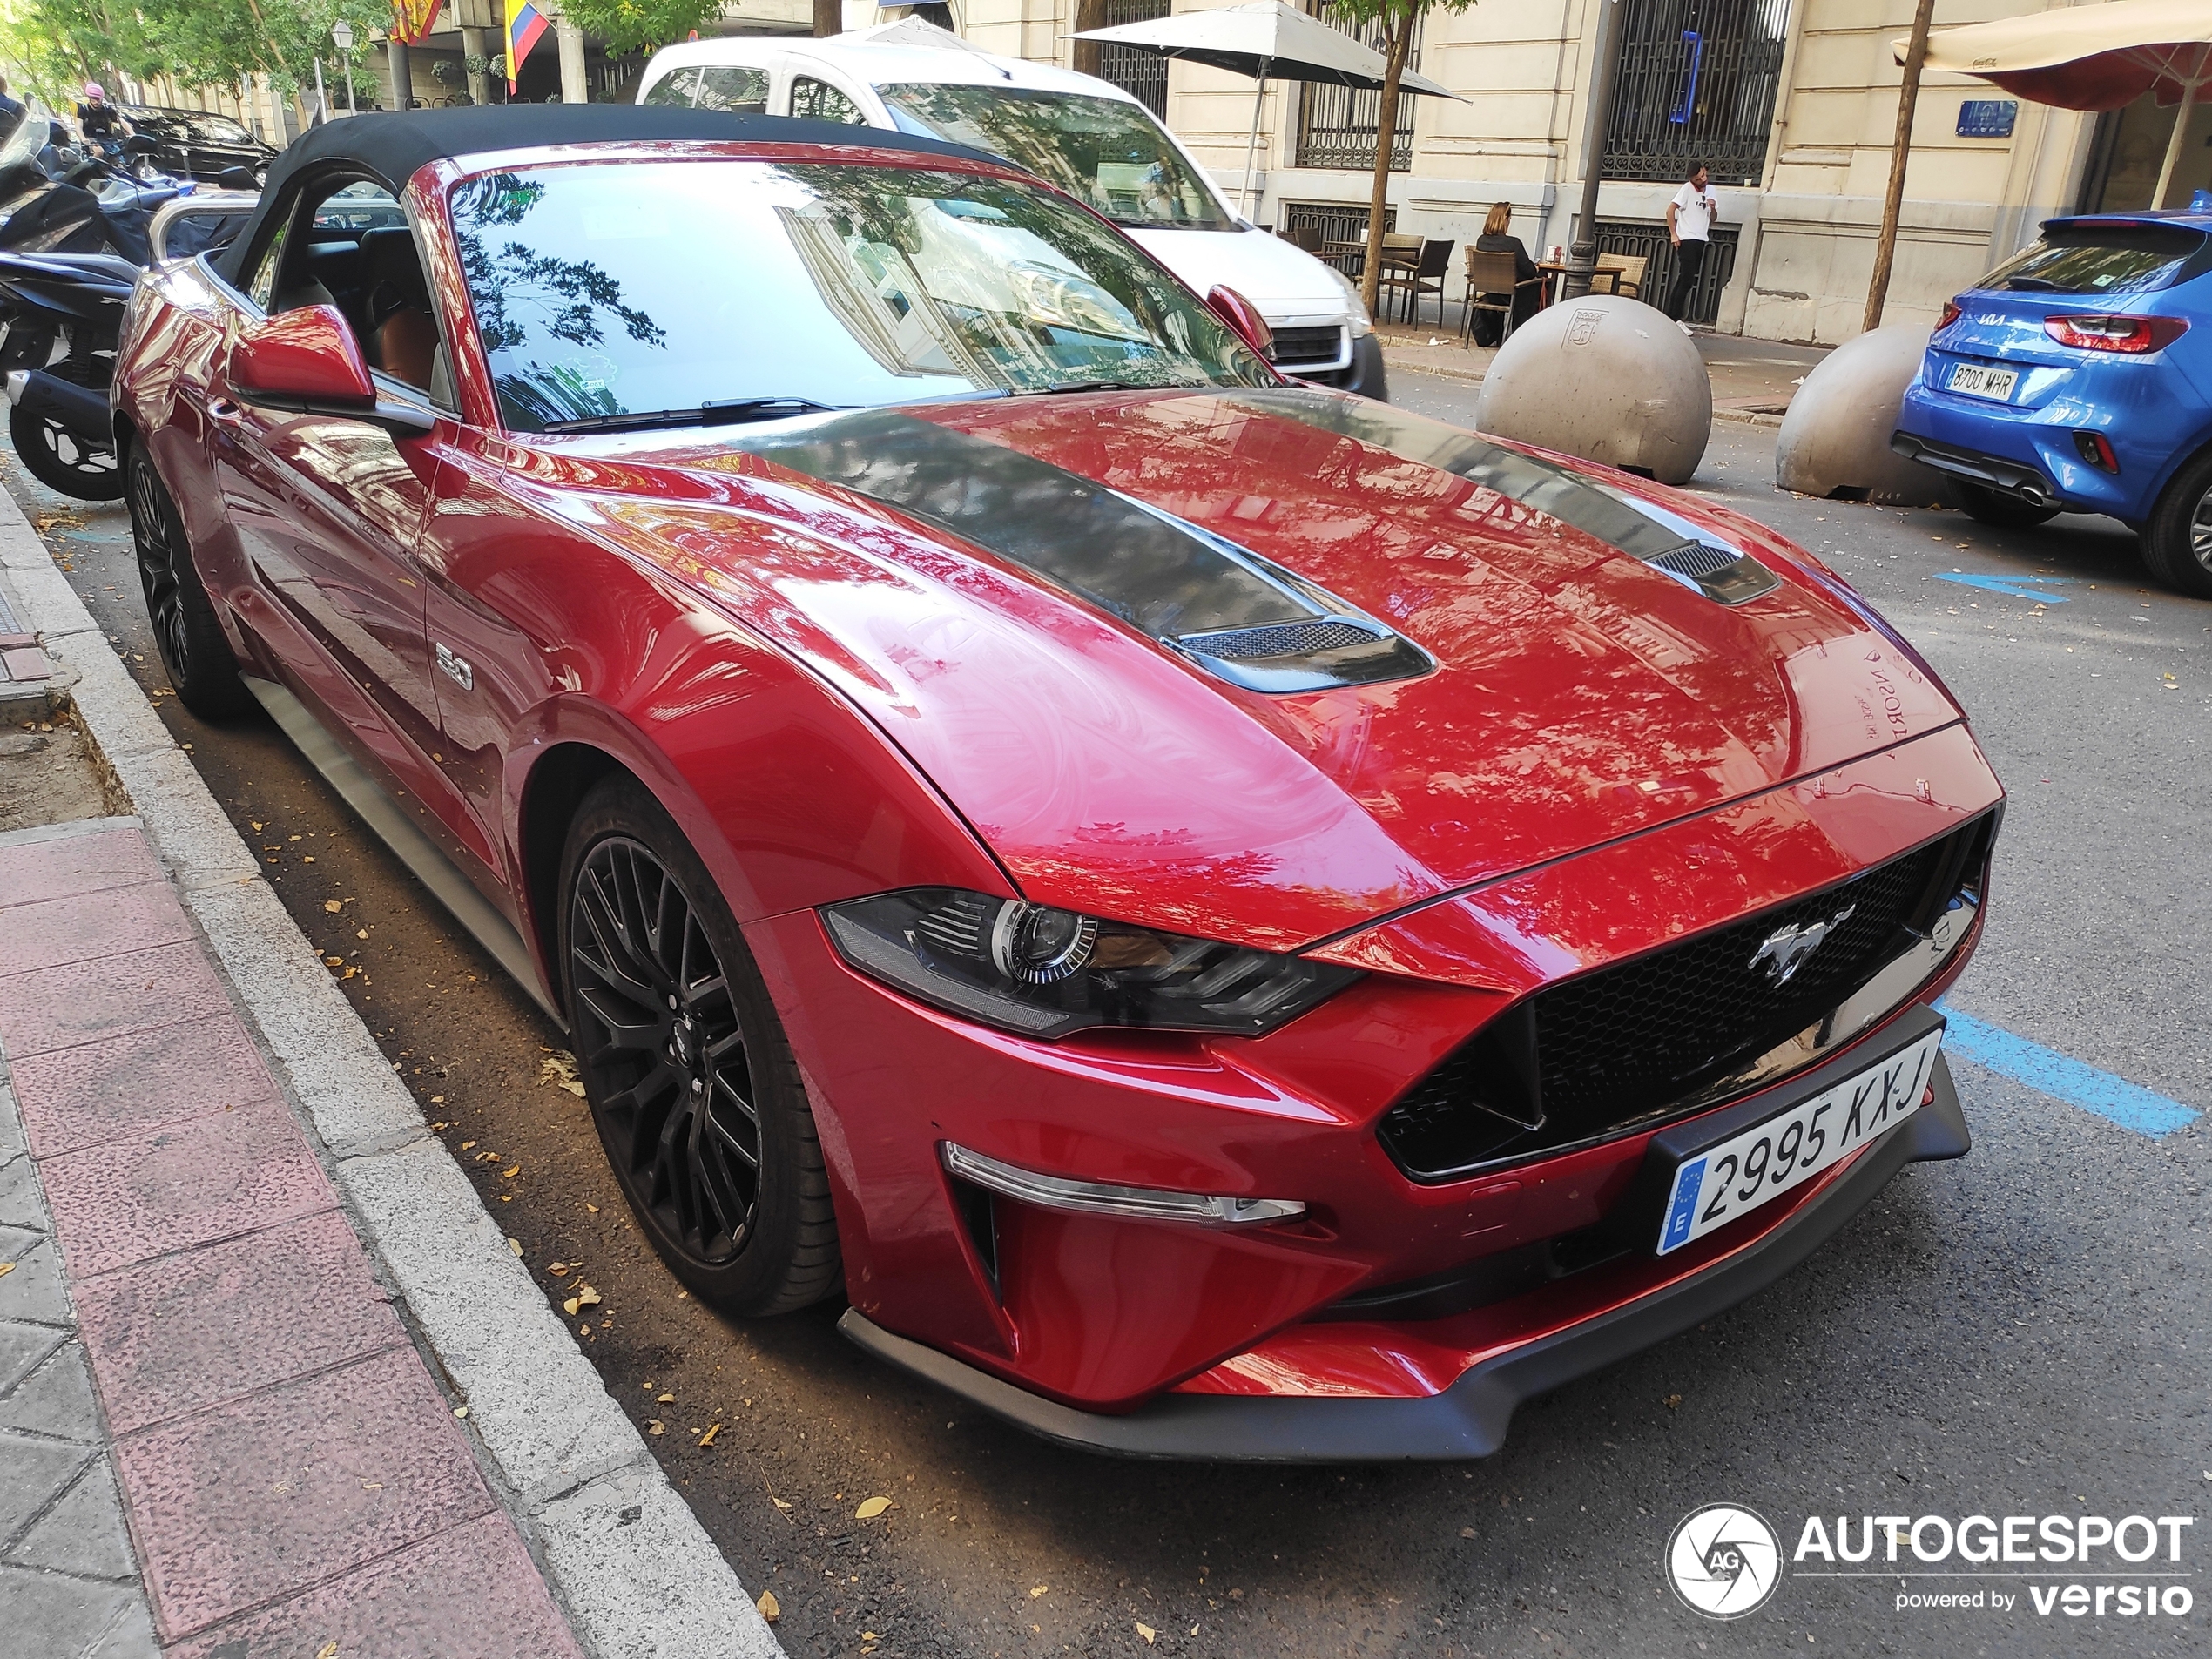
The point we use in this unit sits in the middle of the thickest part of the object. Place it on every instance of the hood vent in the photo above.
(1638, 526)
(1214, 605)
(1719, 573)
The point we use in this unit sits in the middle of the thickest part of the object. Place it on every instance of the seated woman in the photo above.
(1489, 326)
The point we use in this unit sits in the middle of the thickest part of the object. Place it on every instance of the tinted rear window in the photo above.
(2115, 258)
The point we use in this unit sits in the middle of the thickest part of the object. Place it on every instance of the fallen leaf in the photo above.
(334, 961)
(510, 1173)
(1671, 1401)
(461, 1410)
(514, 1245)
(707, 1439)
(6, 1268)
(328, 1651)
(871, 1508)
(1147, 1633)
(1038, 1590)
(664, 1399)
(655, 1427)
(585, 1296)
(781, 1504)
(372, 1485)
(557, 1268)
(769, 1610)
(592, 1208)
(1466, 1531)
(465, 1145)
(332, 905)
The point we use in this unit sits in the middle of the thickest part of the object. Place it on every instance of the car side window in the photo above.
(739, 88)
(353, 249)
(679, 89)
(813, 100)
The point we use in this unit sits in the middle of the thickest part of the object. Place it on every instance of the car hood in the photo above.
(1001, 585)
(1287, 283)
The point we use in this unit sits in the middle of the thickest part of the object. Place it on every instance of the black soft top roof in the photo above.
(394, 146)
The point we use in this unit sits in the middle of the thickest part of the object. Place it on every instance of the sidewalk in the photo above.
(293, 1477)
(273, 1384)
(1753, 380)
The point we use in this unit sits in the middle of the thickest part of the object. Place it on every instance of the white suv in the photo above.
(1086, 136)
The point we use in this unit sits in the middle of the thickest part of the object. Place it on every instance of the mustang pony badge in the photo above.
(1783, 952)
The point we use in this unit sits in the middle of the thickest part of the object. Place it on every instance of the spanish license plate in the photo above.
(1758, 1166)
(1977, 381)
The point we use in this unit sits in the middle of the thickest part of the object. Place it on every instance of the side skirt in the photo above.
(417, 851)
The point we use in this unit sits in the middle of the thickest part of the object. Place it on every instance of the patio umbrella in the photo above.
(2091, 57)
(1268, 41)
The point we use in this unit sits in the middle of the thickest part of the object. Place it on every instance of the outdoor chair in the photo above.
(1307, 237)
(1627, 271)
(1489, 274)
(1425, 276)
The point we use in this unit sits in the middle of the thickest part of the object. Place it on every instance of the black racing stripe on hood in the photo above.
(1220, 606)
(1642, 532)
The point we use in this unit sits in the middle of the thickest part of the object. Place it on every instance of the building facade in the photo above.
(1791, 104)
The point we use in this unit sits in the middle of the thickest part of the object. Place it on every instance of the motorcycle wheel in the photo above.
(60, 460)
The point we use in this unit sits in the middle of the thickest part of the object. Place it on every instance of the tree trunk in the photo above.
(1878, 290)
(1089, 14)
(829, 19)
(1401, 42)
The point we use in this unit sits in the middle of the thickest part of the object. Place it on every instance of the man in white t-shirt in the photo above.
(1689, 228)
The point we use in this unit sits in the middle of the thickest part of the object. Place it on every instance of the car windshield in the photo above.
(2120, 259)
(1099, 150)
(735, 289)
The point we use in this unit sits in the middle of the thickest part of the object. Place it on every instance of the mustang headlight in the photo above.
(1046, 973)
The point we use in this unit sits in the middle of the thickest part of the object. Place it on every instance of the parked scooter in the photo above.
(74, 234)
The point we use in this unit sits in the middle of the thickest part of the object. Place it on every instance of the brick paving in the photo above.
(216, 1439)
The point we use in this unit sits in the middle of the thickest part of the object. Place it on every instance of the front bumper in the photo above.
(1469, 1419)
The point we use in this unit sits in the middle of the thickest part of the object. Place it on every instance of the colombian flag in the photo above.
(524, 25)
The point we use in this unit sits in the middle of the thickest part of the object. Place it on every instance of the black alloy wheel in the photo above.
(61, 460)
(695, 1094)
(2178, 542)
(199, 661)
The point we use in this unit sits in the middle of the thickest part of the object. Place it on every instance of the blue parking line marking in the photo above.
(2064, 1078)
(2018, 587)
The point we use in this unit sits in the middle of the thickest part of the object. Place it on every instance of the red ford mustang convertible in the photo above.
(1226, 919)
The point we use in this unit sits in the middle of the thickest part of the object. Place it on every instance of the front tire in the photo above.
(692, 1086)
(193, 650)
(61, 460)
(2177, 540)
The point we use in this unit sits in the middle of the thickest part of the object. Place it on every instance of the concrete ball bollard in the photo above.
(1834, 441)
(1607, 377)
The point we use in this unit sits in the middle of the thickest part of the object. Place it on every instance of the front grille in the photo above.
(1307, 345)
(1627, 1045)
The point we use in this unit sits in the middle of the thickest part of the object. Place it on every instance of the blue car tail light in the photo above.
(2114, 333)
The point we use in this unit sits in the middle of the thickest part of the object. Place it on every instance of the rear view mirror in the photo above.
(1243, 315)
(308, 362)
(139, 145)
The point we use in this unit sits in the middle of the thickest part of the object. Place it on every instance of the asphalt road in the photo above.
(2024, 1332)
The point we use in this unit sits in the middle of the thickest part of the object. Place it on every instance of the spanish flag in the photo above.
(524, 25)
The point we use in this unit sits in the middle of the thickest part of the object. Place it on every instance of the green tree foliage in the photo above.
(627, 25)
(1398, 19)
(61, 43)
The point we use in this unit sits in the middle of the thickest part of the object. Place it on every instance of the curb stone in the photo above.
(628, 1561)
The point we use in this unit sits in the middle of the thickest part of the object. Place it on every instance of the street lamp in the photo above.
(341, 33)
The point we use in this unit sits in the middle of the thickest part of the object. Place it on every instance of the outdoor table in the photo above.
(1553, 272)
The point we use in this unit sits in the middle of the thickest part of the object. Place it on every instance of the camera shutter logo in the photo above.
(1723, 1561)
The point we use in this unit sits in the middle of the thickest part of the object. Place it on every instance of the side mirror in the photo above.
(237, 179)
(308, 361)
(139, 143)
(1243, 315)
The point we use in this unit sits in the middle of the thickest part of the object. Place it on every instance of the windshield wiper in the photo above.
(729, 412)
(1104, 386)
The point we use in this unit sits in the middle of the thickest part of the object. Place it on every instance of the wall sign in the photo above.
(1988, 117)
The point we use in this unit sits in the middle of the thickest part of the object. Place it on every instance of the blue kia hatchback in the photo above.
(2077, 378)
